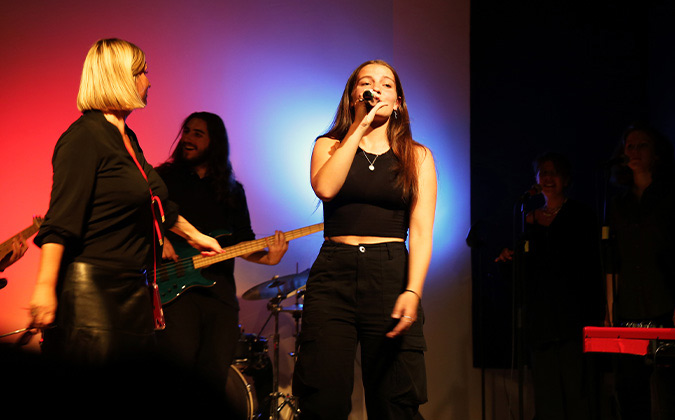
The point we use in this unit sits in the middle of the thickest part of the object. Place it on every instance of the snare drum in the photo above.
(241, 396)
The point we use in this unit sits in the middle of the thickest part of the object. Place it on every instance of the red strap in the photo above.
(154, 198)
(160, 323)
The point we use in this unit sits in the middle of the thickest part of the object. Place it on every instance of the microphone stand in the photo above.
(474, 241)
(521, 248)
(605, 238)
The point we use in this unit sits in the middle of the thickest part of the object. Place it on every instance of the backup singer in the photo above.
(641, 286)
(563, 292)
(99, 234)
(203, 322)
(378, 187)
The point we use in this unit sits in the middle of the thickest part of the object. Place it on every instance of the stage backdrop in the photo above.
(274, 70)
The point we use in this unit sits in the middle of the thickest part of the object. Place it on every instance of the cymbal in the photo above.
(278, 285)
(299, 292)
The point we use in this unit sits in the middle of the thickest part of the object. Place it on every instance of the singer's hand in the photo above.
(505, 255)
(405, 311)
(208, 245)
(367, 118)
(43, 305)
(168, 253)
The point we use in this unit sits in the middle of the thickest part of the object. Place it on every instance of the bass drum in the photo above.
(242, 402)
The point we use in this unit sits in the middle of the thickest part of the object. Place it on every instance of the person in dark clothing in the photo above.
(641, 276)
(103, 229)
(378, 188)
(563, 292)
(202, 323)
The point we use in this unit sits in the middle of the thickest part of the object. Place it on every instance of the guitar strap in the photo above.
(160, 323)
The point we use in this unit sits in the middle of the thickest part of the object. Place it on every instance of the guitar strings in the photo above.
(173, 267)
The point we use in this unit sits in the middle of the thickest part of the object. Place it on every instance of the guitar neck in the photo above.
(6, 247)
(247, 247)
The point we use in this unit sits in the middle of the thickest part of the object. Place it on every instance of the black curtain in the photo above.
(552, 76)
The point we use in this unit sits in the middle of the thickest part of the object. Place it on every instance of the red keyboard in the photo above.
(624, 340)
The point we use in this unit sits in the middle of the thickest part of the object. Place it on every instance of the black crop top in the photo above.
(369, 203)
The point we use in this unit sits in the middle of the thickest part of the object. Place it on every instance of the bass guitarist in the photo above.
(202, 328)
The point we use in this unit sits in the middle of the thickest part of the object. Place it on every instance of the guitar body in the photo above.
(175, 277)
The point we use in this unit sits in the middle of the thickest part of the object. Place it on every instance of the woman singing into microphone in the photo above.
(563, 292)
(378, 187)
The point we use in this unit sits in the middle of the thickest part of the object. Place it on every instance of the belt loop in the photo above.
(390, 250)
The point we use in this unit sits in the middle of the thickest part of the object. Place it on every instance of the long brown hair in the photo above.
(217, 154)
(398, 131)
(664, 165)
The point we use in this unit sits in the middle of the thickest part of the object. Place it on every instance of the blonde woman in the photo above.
(102, 232)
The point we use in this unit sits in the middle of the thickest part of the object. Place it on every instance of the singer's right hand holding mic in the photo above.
(362, 114)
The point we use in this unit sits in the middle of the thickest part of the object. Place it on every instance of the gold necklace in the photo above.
(371, 165)
(550, 213)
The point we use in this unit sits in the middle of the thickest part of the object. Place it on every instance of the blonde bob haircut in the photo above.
(109, 74)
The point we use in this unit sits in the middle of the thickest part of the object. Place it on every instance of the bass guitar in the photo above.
(6, 247)
(175, 277)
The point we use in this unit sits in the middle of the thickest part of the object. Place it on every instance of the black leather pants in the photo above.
(103, 315)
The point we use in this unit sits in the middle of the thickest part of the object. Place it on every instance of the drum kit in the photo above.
(253, 380)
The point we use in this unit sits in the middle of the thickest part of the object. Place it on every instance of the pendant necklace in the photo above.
(372, 164)
(552, 212)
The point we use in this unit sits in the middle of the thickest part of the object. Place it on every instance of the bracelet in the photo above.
(414, 293)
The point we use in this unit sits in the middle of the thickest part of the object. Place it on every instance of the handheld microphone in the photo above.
(368, 96)
(534, 190)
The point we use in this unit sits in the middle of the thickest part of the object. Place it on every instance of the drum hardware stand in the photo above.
(297, 315)
(275, 408)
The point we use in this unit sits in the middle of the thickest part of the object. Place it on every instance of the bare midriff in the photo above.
(357, 240)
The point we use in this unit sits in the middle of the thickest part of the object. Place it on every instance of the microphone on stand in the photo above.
(534, 190)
